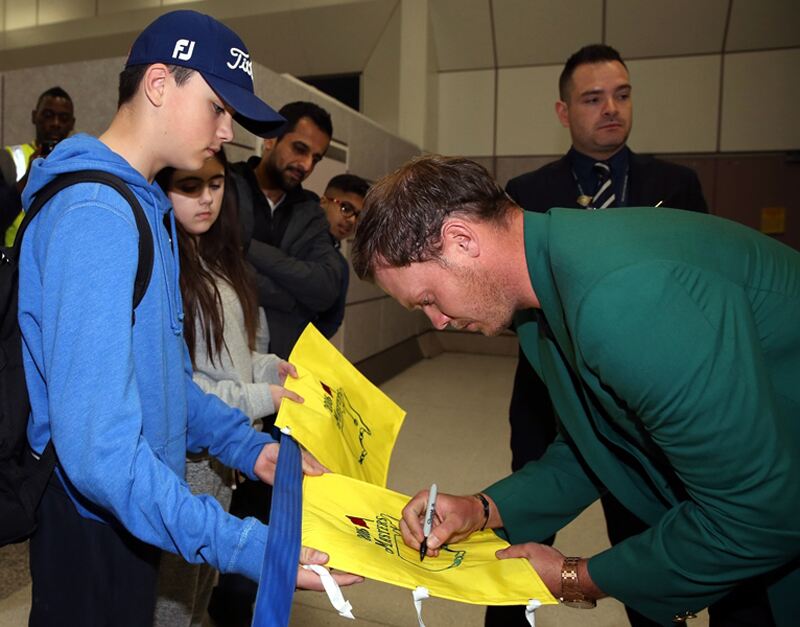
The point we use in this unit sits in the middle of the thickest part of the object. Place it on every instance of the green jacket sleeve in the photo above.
(683, 354)
(544, 495)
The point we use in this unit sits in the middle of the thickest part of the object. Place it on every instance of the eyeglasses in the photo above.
(347, 209)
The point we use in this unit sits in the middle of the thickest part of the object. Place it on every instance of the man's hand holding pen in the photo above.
(456, 518)
(430, 512)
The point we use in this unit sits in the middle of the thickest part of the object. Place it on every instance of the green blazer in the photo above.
(670, 344)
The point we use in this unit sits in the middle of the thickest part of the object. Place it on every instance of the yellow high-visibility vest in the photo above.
(21, 154)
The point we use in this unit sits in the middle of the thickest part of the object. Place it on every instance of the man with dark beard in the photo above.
(298, 272)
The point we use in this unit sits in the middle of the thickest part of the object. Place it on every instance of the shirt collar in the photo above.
(582, 164)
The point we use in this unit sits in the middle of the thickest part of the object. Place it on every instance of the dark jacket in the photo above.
(297, 277)
(650, 180)
(329, 321)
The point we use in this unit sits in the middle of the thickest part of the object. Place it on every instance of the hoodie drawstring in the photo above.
(175, 302)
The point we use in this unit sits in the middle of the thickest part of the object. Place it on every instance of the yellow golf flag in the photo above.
(357, 525)
(346, 422)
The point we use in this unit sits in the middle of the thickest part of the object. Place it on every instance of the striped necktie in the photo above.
(604, 196)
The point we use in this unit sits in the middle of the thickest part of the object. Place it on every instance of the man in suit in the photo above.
(669, 344)
(599, 171)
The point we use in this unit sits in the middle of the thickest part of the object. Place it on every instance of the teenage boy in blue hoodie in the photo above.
(117, 399)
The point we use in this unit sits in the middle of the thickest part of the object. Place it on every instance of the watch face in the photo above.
(581, 604)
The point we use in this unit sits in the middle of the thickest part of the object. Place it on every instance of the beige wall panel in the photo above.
(423, 323)
(280, 89)
(399, 152)
(106, 7)
(526, 118)
(361, 291)
(358, 290)
(397, 323)
(55, 11)
(675, 104)
(509, 167)
(545, 31)
(415, 39)
(764, 24)
(369, 150)
(20, 14)
(759, 101)
(647, 29)
(432, 94)
(466, 113)
(486, 162)
(362, 331)
(380, 80)
(463, 31)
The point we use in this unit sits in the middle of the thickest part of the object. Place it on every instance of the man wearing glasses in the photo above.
(342, 202)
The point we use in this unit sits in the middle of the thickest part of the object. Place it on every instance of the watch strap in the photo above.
(571, 594)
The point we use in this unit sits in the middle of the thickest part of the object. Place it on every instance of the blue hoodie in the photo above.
(117, 399)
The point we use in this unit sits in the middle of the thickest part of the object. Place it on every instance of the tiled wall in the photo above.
(373, 323)
(732, 117)
(744, 101)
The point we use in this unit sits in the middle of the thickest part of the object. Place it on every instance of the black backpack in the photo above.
(23, 478)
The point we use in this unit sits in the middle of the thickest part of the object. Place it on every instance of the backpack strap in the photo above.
(62, 181)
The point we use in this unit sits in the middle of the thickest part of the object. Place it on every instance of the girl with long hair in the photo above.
(224, 330)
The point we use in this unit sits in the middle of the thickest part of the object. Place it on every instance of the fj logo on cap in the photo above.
(183, 50)
(242, 61)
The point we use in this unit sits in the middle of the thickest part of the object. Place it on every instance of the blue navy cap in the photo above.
(193, 40)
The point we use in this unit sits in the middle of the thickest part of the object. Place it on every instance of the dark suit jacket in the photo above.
(670, 344)
(650, 180)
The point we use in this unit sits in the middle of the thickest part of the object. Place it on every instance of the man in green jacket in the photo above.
(670, 345)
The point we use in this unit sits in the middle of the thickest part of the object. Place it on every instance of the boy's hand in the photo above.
(268, 459)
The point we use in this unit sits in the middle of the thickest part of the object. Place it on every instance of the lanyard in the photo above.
(584, 199)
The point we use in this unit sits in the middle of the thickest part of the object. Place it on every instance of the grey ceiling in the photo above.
(475, 34)
(480, 34)
(318, 37)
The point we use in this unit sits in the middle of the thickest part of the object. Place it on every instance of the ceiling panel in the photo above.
(316, 41)
(764, 24)
(463, 33)
(545, 31)
(654, 29)
(466, 130)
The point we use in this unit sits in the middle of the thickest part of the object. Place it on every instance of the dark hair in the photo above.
(53, 92)
(349, 184)
(216, 253)
(131, 77)
(404, 212)
(593, 53)
(295, 111)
